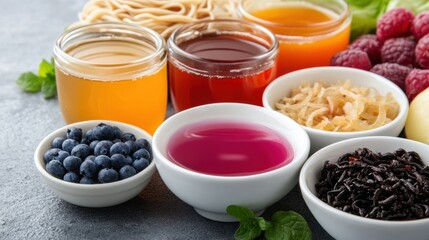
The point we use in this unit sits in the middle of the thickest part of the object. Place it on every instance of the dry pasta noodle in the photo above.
(163, 16)
(339, 107)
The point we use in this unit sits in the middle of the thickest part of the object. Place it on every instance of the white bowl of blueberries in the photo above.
(97, 163)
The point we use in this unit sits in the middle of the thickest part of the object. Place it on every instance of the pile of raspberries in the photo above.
(399, 51)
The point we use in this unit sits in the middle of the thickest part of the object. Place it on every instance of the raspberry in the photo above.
(371, 46)
(422, 52)
(395, 23)
(416, 82)
(420, 26)
(399, 50)
(394, 72)
(352, 58)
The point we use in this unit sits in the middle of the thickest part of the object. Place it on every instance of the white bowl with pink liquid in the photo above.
(222, 154)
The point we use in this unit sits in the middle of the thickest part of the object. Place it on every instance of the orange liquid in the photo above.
(141, 101)
(314, 48)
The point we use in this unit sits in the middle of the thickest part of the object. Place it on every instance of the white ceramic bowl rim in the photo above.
(304, 187)
(305, 145)
(400, 98)
(77, 186)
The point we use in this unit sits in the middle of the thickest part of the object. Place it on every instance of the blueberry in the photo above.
(104, 132)
(90, 136)
(126, 172)
(90, 158)
(61, 156)
(74, 133)
(72, 163)
(118, 161)
(107, 175)
(140, 164)
(117, 132)
(50, 154)
(120, 148)
(71, 177)
(85, 141)
(132, 146)
(129, 160)
(58, 142)
(103, 148)
(69, 144)
(86, 180)
(142, 153)
(88, 168)
(56, 169)
(81, 151)
(102, 161)
(128, 137)
(144, 143)
(93, 144)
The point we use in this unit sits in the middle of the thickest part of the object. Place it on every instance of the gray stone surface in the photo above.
(28, 209)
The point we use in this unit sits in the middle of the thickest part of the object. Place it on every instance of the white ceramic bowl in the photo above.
(342, 225)
(210, 195)
(282, 86)
(94, 195)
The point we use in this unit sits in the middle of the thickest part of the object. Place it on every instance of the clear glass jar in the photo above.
(112, 71)
(310, 32)
(220, 61)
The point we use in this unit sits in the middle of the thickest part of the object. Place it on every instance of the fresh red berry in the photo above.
(416, 81)
(420, 26)
(422, 52)
(352, 58)
(394, 23)
(394, 72)
(399, 50)
(371, 46)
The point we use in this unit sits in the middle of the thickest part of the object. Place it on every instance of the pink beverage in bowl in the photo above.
(220, 61)
(228, 148)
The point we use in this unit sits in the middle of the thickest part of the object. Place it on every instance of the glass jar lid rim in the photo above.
(273, 48)
(159, 50)
(325, 24)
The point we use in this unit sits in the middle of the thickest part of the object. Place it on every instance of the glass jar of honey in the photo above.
(112, 71)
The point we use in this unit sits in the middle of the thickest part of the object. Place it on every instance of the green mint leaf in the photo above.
(46, 68)
(288, 226)
(29, 82)
(264, 224)
(49, 87)
(248, 231)
(249, 226)
(241, 213)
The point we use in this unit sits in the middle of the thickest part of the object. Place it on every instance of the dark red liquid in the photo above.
(223, 48)
(226, 80)
(229, 148)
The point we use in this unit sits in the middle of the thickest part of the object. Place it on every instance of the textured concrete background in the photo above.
(28, 209)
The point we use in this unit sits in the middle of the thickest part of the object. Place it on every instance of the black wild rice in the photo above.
(389, 186)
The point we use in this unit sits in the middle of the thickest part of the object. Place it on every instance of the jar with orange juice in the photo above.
(309, 32)
(112, 71)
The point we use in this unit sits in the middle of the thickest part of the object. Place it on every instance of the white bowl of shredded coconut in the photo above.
(338, 103)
